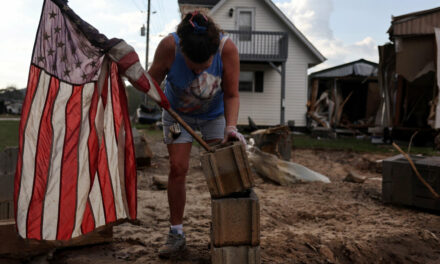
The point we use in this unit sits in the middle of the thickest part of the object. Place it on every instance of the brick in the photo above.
(227, 170)
(236, 221)
(235, 255)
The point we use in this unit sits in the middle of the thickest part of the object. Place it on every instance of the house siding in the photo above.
(264, 108)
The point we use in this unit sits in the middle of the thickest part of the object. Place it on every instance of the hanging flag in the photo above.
(76, 165)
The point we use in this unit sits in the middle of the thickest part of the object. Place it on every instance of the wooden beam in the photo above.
(314, 94)
(398, 102)
(13, 246)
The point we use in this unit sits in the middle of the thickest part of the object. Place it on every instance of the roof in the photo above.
(288, 23)
(360, 67)
(199, 2)
(416, 23)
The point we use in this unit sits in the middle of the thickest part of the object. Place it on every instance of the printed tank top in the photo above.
(196, 95)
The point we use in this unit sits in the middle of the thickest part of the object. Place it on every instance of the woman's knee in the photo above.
(178, 169)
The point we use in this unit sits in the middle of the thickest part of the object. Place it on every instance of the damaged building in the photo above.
(344, 96)
(409, 77)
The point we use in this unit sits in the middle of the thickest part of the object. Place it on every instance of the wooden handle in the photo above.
(189, 129)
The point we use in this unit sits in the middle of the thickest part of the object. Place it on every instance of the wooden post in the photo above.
(314, 95)
(398, 102)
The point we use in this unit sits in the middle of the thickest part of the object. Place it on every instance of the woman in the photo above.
(202, 68)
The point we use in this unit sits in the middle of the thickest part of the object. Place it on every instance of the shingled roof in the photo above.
(199, 2)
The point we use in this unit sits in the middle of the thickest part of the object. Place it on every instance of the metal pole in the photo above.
(147, 45)
(148, 35)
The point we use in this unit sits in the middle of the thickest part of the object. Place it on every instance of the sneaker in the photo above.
(175, 245)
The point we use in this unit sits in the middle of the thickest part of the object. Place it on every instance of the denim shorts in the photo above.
(210, 129)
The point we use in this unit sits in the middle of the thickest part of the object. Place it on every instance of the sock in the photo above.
(178, 228)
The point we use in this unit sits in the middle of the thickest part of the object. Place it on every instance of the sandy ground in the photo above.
(340, 222)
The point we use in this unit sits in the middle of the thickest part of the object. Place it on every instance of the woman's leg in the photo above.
(179, 155)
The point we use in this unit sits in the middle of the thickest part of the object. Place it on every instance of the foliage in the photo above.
(8, 133)
(357, 145)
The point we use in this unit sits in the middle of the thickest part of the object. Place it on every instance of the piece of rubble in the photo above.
(160, 181)
(355, 177)
(280, 171)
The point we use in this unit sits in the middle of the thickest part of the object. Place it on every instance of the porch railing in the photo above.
(260, 45)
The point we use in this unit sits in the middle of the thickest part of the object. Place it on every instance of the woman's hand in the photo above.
(232, 134)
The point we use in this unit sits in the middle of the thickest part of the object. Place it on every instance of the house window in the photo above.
(251, 81)
(245, 23)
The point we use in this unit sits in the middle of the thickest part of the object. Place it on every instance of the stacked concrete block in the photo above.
(235, 227)
(8, 162)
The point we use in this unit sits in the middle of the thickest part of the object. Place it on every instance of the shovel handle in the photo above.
(189, 129)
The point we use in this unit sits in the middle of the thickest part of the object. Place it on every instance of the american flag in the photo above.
(76, 166)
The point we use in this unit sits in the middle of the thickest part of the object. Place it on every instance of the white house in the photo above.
(274, 58)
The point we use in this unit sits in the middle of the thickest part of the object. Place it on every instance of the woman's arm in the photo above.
(163, 59)
(231, 72)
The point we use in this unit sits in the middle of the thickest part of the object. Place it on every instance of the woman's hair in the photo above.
(199, 36)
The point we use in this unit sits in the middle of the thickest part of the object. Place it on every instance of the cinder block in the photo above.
(235, 255)
(8, 163)
(6, 209)
(236, 221)
(400, 185)
(227, 170)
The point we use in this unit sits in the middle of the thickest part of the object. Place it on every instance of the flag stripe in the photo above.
(112, 149)
(50, 213)
(128, 60)
(97, 203)
(69, 170)
(29, 152)
(83, 184)
(42, 163)
(116, 105)
(106, 184)
(33, 79)
(129, 162)
(88, 223)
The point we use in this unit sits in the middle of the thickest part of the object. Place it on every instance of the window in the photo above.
(245, 23)
(246, 82)
(251, 81)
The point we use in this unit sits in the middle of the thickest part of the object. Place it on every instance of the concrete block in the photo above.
(235, 255)
(400, 185)
(227, 170)
(236, 221)
(8, 163)
(6, 209)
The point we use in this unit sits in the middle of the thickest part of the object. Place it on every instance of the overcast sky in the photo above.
(342, 30)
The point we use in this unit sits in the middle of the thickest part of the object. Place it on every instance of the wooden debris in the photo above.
(275, 140)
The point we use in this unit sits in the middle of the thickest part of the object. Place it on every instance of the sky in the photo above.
(342, 30)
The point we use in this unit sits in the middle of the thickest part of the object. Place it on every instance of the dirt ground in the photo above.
(339, 222)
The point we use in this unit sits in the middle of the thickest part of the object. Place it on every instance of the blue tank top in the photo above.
(196, 95)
